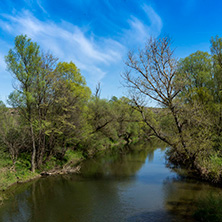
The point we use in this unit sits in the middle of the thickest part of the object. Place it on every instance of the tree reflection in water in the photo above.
(113, 187)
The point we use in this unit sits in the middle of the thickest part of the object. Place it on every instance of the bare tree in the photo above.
(150, 73)
(98, 90)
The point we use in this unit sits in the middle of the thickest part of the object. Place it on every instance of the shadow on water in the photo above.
(182, 193)
(132, 187)
(157, 216)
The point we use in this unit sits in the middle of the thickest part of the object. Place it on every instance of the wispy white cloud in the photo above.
(2, 64)
(67, 42)
(94, 55)
(155, 20)
(5, 89)
(139, 31)
(41, 7)
(4, 49)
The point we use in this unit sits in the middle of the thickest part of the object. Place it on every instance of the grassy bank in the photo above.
(20, 172)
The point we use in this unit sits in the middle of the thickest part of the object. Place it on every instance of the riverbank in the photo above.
(20, 172)
(136, 186)
(71, 163)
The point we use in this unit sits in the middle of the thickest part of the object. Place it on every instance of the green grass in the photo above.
(10, 175)
(21, 172)
(71, 158)
(5, 160)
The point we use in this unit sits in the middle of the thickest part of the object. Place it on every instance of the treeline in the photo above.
(54, 111)
(189, 91)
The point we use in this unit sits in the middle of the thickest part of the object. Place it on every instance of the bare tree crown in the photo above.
(151, 71)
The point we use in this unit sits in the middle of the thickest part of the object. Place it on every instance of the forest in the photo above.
(53, 120)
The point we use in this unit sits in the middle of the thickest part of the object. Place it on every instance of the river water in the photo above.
(112, 188)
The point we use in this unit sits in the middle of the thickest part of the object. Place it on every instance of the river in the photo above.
(111, 188)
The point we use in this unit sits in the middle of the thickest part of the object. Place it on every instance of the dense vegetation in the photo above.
(54, 117)
(190, 94)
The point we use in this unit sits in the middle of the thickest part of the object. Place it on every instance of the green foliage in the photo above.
(200, 111)
(24, 63)
(112, 122)
(55, 112)
(55, 120)
(23, 162)
(189, 93)
(216, 50)
(50, 164)
(10, 174)
(72, 155)
(50, 99)
(210, 167)
(194, 75)
(5, 159)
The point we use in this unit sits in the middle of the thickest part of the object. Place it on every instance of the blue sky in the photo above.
(96, 34)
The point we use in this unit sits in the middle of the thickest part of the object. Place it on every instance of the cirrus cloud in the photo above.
(94, 55)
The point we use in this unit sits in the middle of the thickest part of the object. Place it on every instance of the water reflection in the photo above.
(132, 187)
(182, 193)
(112, 166)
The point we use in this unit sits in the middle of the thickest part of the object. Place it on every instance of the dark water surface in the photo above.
(112, 188)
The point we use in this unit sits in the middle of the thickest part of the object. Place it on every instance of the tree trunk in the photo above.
(179, 128)
(41, 151)
(33, 162)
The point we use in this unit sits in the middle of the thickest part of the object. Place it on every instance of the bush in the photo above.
(72, 155)
(211, 168)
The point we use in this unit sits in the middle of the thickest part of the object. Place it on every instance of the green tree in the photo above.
(128, 122)
(150, 74)
(66, 118)
(195, 75)
(13, 138)
(216, 51)
(24, 63)
(43, 101)
(50, 97)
